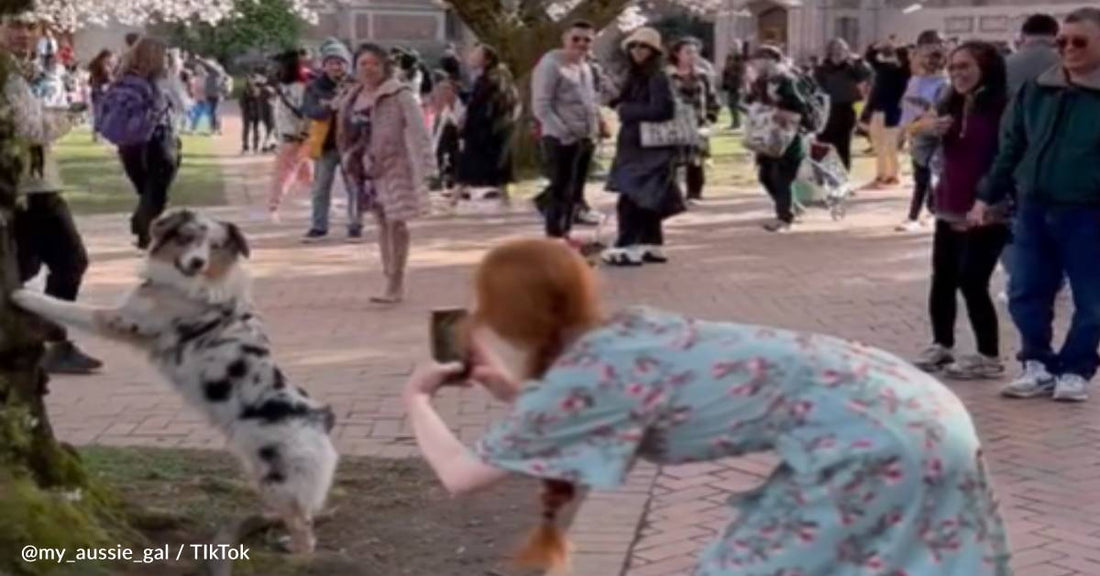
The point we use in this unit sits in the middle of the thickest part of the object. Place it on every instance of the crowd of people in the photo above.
(1004, 158)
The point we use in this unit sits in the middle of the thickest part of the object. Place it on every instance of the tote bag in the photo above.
(315, 139)
(682, 130)
(765, 135)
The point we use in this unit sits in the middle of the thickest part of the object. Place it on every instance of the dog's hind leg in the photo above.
(233, 534)
(300, 525)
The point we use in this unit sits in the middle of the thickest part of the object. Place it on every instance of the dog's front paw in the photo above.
(24, 298)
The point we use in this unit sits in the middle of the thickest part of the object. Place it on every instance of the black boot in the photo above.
(65, 358)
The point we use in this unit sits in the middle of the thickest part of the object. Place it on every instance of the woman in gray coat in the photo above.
(644, 177)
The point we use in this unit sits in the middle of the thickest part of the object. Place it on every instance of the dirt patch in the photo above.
(390, 517)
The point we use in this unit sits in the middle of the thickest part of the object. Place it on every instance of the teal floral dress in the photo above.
(881, 470)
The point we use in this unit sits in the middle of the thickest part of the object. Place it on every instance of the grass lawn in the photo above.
(96, 183)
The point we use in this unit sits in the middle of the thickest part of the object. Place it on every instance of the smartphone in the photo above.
(448, 343)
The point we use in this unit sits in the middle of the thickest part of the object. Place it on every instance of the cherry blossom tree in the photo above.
(522, 30)
(76, 14)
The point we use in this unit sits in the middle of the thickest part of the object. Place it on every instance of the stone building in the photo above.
(805, 26)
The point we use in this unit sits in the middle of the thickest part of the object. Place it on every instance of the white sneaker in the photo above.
(909, 226)
(1071, 388)
(934, 358)
(627, 257)
(1034, 382)
(975, 367)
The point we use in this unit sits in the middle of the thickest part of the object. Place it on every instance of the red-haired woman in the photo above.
(881, 470)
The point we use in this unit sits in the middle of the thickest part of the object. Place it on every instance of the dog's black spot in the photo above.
(255, 350)
(328, 418)
(217, 390)
(275, 476)
(269, 453)
(280, 380)
(303, 392)
(247, 317)
(275, 410)
(256, 379)
(191, 332)
(238, 368)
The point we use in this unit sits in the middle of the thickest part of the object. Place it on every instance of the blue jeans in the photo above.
(1053, 242)
(324, 174)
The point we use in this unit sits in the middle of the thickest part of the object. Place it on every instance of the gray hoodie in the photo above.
(1027, 64)
(564, 100)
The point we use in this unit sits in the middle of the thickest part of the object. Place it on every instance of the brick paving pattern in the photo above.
(856, 279)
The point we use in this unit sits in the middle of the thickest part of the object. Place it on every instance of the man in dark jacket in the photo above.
(1050, 155)
(843, 76)
(891, 67)
(319, 105)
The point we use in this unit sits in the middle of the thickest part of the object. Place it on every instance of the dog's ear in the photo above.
(236, 241)
(164, 228)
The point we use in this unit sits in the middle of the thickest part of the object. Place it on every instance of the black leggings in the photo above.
(963, 261)
(151, 168)
(45, 235)
(922, 190)
(251, 125)
(638, 226)
(696, 180)
(777, 175)
(838, 131)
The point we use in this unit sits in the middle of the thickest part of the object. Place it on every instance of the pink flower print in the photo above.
(635, 389)
(652, 399)
(823, 442)
(537, 468)
(678, 380)
(874, 562)
(801, 409)
(645, 364)
(575, 402)
(892, 472)
(933, 470)
(723, 369)
(861, 444)
(807, 532)
(608, 375)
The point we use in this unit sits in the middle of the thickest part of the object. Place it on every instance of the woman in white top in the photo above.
(292, 164)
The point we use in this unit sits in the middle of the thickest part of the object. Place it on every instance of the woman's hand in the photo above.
(487, 371)
(427, 379)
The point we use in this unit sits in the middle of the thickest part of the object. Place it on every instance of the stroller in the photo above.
(822, 181)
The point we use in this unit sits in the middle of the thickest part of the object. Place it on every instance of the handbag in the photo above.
(681, 131)
(315, 139)
(765, 135)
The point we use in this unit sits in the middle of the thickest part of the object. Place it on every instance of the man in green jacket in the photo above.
(1050, 155)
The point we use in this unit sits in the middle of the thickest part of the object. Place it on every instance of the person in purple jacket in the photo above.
(964, 256)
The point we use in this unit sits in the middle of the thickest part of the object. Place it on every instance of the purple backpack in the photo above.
(128, 114)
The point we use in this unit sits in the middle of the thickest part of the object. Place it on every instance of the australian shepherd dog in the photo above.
(193, 314)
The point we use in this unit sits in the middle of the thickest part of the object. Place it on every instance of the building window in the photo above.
(847, 28)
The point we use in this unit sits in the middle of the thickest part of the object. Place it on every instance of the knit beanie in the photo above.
(333, 48)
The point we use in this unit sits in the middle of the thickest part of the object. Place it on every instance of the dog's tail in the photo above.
(232, 534)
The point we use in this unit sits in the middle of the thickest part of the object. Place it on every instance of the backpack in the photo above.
(817, 102)
(127, 113)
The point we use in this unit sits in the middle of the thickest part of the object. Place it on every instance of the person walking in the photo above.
(964, 256)
(693, 86)
(1050, 156)
(565, 101)
(151, 165)
(252, 102)
(926, 89)
(292, 163)
(44, 229)
(485, 157)
(891, 77)
(844, 77)
(386, 152)
(643, 177)
(319, 105)
(775, 88)
(217, 87)
(101, 73)
(733, 84)
(880, 468)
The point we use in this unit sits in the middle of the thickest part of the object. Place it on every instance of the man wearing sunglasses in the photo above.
(1050, 155)
(565, 103)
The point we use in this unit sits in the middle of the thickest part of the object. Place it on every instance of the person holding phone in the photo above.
(892, 71)
(877, 459)
(925, 90)
(964, 256)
